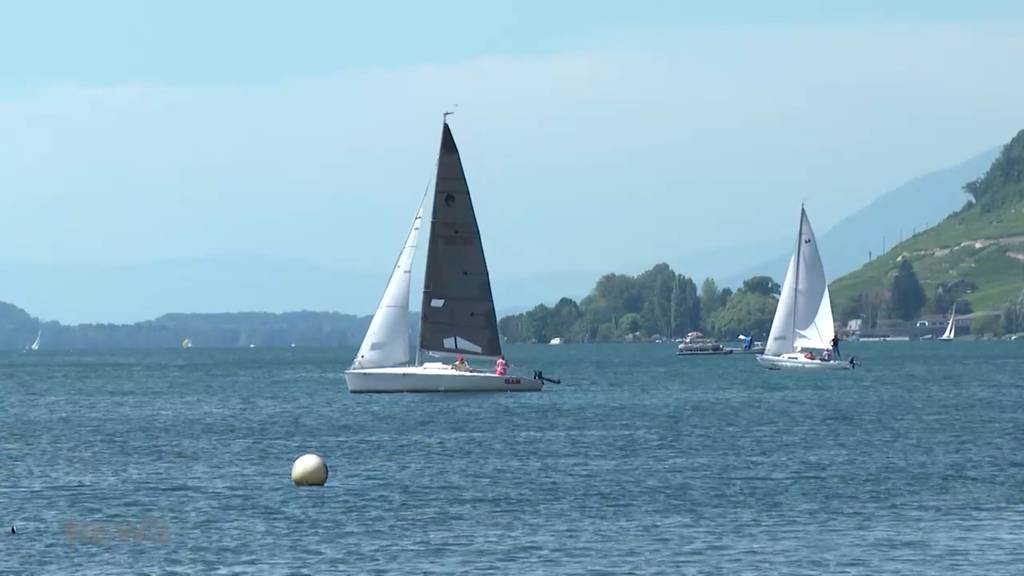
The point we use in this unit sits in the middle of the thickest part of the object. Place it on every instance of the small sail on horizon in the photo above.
(35, 344)
(457, 313)
(950, 332)
(803, 318)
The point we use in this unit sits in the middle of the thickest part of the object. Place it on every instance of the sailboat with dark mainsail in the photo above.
(457, 315)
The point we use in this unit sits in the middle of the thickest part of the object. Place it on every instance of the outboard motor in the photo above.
(538, 375)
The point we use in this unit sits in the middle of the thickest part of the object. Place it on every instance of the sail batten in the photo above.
(803, 318)
(457, 314)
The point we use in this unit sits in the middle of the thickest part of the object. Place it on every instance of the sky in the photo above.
(596, 136)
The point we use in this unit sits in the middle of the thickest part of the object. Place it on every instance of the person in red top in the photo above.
(500, 366)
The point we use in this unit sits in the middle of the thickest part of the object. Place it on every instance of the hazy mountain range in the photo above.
(889, 219)
(88, 292)
(980, 246)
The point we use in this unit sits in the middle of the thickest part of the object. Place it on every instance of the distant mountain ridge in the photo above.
(891, 217)
(220, 330)
(982, 244)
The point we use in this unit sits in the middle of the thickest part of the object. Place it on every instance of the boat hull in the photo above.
(759, 350)
(723, 352)
(429, 379)
(796, 362)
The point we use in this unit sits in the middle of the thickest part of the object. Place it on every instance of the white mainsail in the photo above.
(803, 318)
(35, 344)
(387, 340)
(950, 332)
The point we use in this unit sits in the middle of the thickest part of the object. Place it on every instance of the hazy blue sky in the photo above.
(595, 135)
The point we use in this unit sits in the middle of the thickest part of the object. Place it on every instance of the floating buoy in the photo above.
(309, 470)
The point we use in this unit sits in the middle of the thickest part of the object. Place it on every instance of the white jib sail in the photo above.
(387, 339)
(803, 318)
(950, 332)
(780, 339)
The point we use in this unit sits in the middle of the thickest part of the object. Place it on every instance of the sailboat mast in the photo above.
(796, 272)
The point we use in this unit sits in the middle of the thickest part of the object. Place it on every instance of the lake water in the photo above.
(178, 461)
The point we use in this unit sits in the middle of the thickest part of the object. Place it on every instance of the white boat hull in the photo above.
(797, 361)
(438, 378)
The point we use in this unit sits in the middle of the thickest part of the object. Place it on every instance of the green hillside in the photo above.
(978, 251)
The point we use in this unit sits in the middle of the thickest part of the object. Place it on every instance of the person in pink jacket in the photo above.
(500, 366)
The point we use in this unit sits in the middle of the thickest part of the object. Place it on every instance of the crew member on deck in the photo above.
(500, 366)
(835, 347)
(460, 365)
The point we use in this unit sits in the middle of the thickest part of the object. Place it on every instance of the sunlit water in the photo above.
(178, 461)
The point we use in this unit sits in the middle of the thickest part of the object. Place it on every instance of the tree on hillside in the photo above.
(536, 321)
(613, 296)
(724, 296)
(1004, 180)
(747, 312)
(629, 324)
(761, 285)
(866, 306)
(946, 293)
(655, 286)
(1013, 315)
(709, 294)
(907, 296)
(686, 307)
(512, 327)
(563, 318)
(17, 327)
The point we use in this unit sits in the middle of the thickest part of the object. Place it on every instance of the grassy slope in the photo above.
(948, 251)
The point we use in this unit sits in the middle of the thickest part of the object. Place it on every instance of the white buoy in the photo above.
(309, 470)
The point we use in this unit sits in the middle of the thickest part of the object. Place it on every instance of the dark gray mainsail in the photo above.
(457, 315)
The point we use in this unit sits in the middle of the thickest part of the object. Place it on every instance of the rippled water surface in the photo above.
(177, 461)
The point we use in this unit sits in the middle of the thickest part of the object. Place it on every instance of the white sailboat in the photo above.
(35, 344)
(803, 319)
(457, 313)
(950, 332)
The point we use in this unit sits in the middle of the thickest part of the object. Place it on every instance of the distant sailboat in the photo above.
(35, 344)
(186, 343)
(950, 332)
(457, 312)
(803, 318)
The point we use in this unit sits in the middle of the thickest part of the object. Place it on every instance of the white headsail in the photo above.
(803, 318)
(387, 339)
(950, 332)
